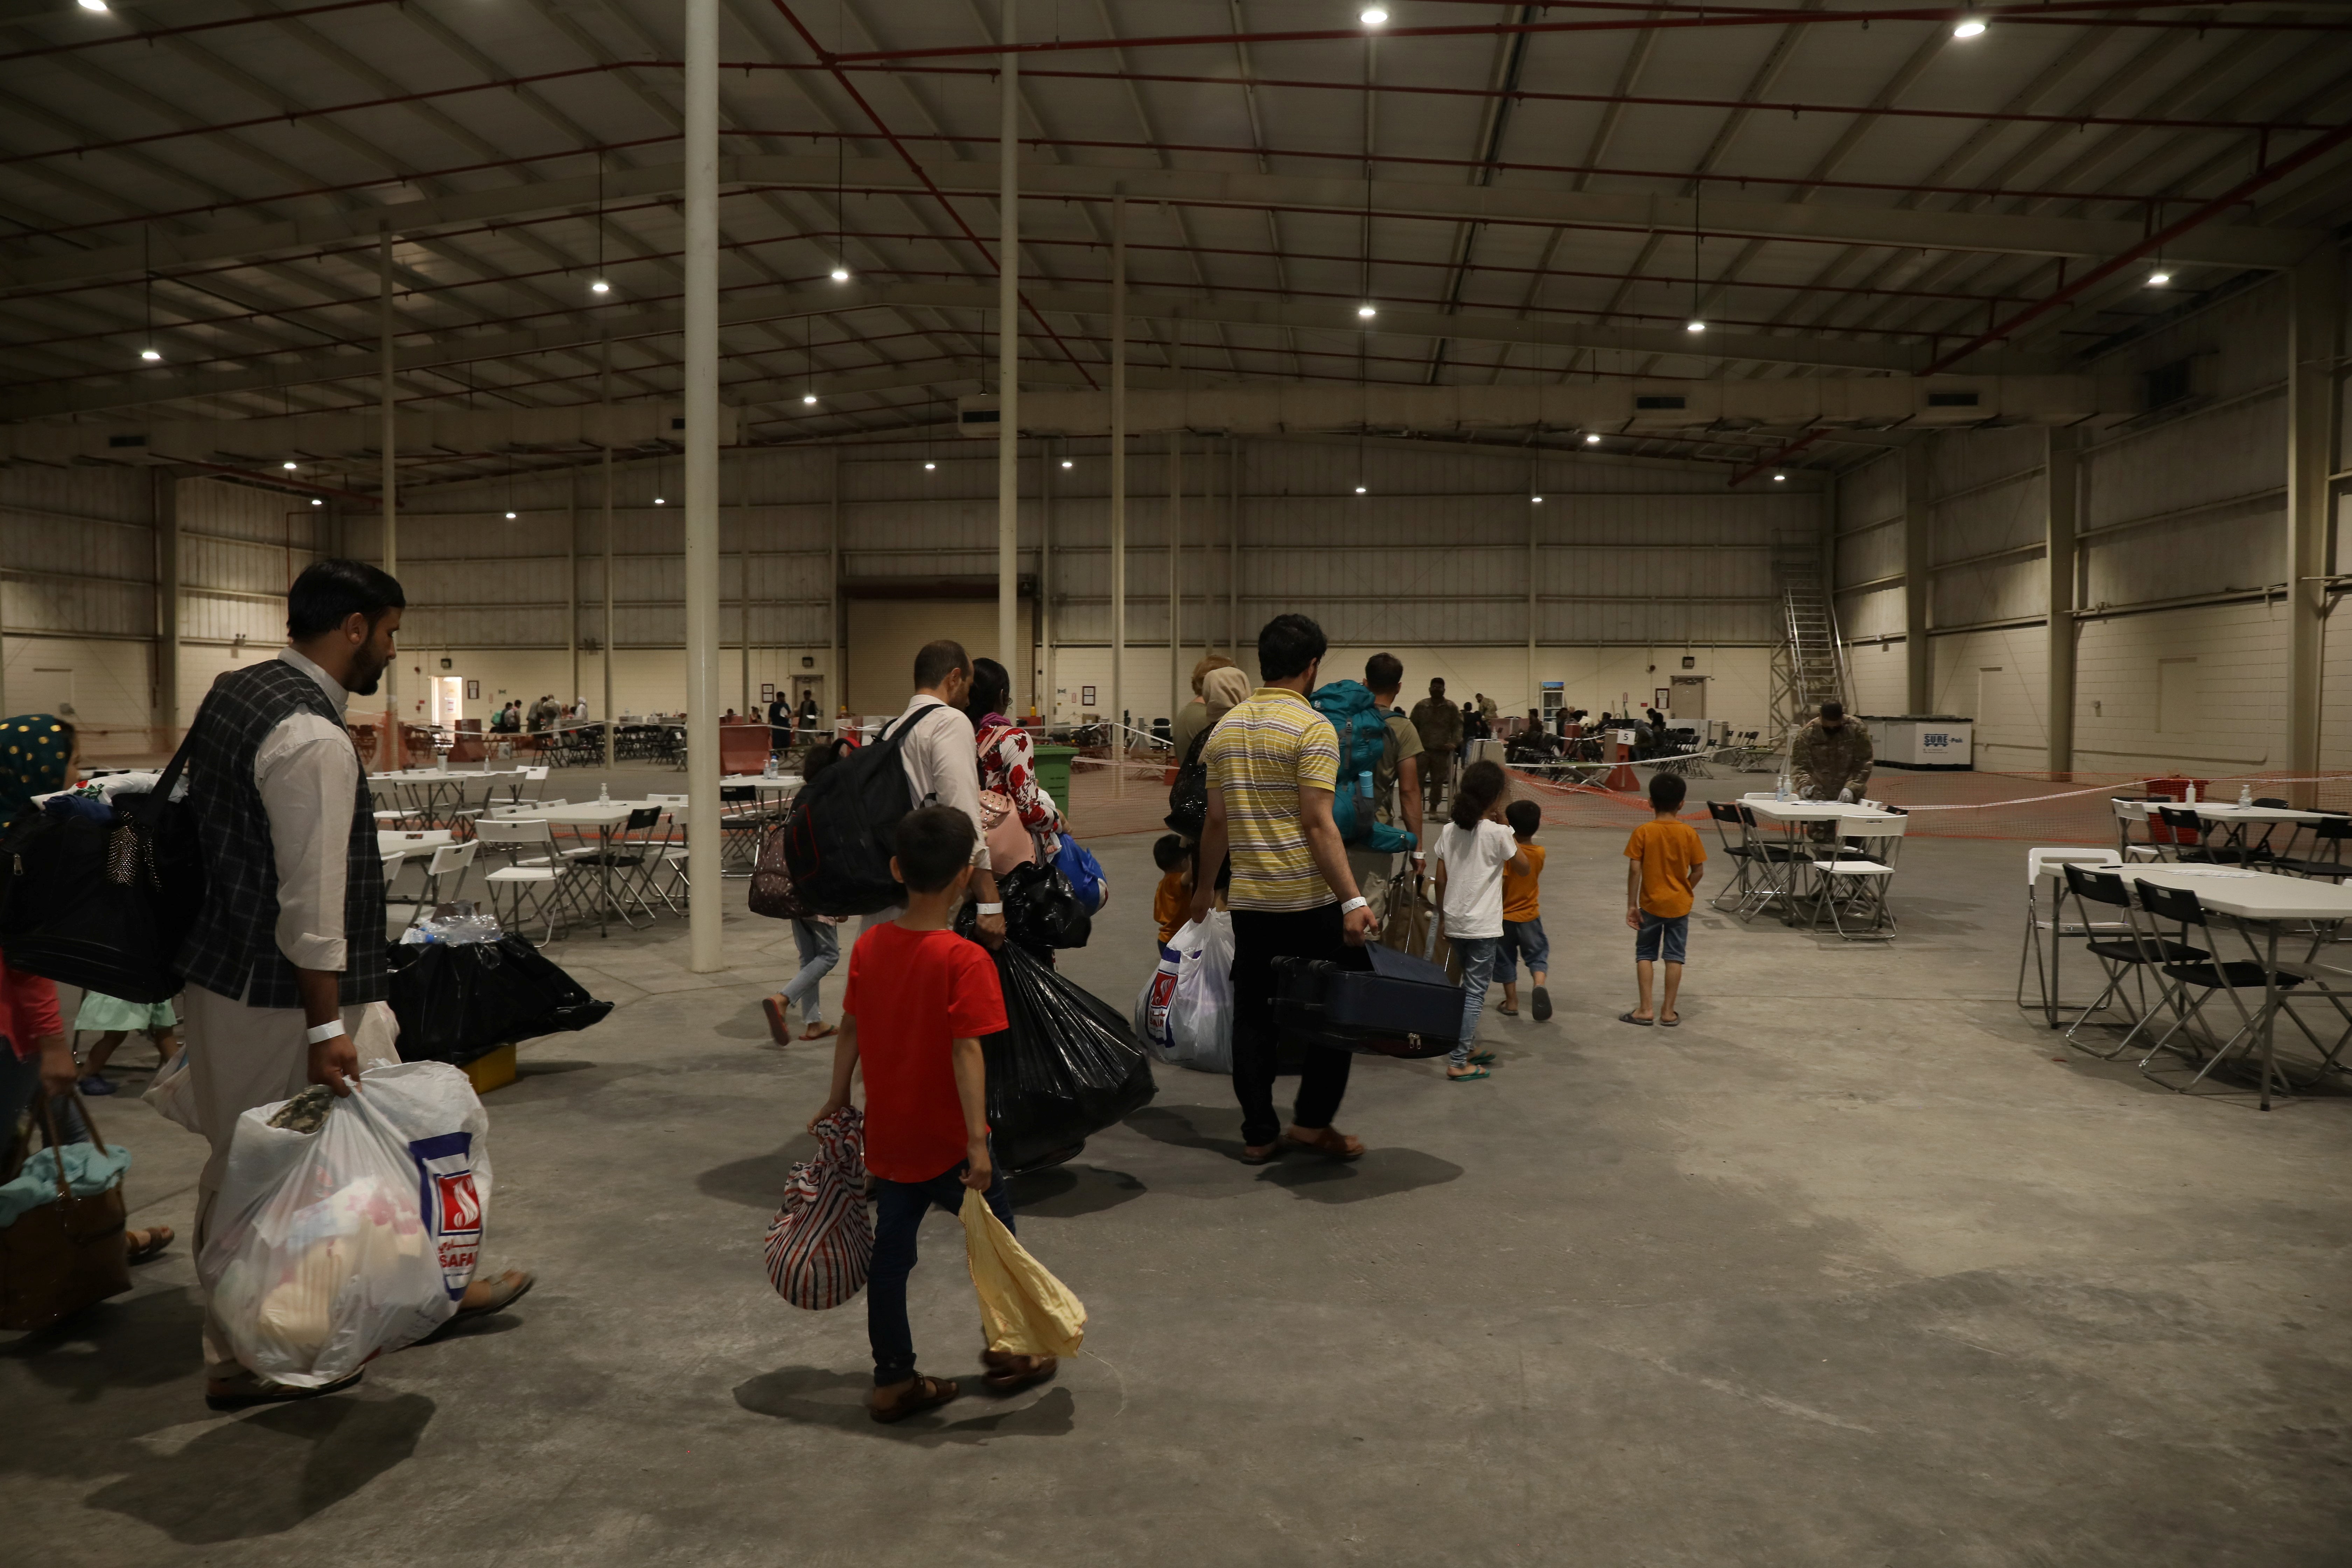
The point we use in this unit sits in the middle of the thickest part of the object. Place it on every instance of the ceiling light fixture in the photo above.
(1359, 489)
(809, 398)
(511, 516)
(1535, 501)
(316, 501)
(1366, 312)
(1779, 478)
(97, 6)
(1971, 27)
(289, 467)
(1371, 17)
(600, 287)
(1067, 464)
(658, 500)
(2158, 279)
(1593, 440)
(840, 275)
(1695, 326)
(928, 467)
(151, 355)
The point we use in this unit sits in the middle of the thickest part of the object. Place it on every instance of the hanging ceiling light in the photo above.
(1366, 312)
(658, 501)
(316, 501)
(289, 467)
(809, 398)
(97, 6)
(151, 355)
(929, 464)
(1594, 439)
(511, 516)
(841, 274)
(1067, 464)
(1779, 478)
(600, 287)
(2158, 279)
(1968, 27)
(1535, 501)
(1359, 489)
(1372, 16)
(1695, 325)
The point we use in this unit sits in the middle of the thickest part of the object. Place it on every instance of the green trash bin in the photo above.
(1054, 775)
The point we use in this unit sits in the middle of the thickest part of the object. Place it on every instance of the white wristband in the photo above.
(1358, 903)
(325, 1032)
(991, 908)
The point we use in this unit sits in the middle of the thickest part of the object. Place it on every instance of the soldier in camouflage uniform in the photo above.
(1829, 754)
(1439, 724)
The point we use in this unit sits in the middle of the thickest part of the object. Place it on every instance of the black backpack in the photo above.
(837, 838)
(1188, 797)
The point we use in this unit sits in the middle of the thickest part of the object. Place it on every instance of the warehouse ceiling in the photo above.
(194, 196)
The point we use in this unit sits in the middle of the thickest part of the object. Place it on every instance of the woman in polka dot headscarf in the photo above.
(37, 757)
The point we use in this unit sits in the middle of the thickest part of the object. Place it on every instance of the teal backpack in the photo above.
(1363, 735)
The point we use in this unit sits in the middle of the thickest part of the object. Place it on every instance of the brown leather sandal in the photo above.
(1326, 1141)
(151, 1243)
(923, 1393)
(1261, 1153)
(1007, 1372)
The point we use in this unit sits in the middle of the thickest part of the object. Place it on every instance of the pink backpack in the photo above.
(1009, 841)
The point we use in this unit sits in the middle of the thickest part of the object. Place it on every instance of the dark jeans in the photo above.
(1261, 936)
(898, 1211)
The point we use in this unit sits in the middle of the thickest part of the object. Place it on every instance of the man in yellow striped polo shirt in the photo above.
(1272, 762)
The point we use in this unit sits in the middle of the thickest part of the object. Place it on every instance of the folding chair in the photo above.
(448, 860)
(633, 853)
(2126, 812)
(2189, 849)
(2327, 859)
(1725, 817)
(1855, 875)
(534, 869)
(2041, 864)
(739, 822)
(2132, 959)
(2206, 974)
(1775, 860)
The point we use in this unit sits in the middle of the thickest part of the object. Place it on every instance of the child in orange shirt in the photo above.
(1171, 906)
(1523, 932)
(1660, 886)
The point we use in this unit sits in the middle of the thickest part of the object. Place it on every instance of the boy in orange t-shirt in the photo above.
(1523, 932)
(1660, 886)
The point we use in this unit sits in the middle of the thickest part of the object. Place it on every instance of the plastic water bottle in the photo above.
(771, 770)
(1780, 789)
(2191, 796)
(2245, 794)
(603, 794)
(1364, 788)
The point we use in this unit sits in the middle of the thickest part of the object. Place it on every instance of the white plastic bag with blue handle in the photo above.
(330, 1247)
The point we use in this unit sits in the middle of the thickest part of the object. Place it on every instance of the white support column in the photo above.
(1176, 683)
(1015, 658)
(2061, 468)
(1117, 713)
(611, 728)
(1918, 553)
(703, 864)
(2315, 330)
(388, 754)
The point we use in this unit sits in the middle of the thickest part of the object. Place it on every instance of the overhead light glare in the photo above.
(809, 398)
(840, 275)
(1593, 440)
(600, 287)
(1779, 478)
(151, 355)
(1695, 326)
(1359, 489)
(1067, 464)
(928, 467)
(1971, 28)
(1371, 16)
(316, 501)
(289, 467)
(2158, 279)
(97, 6)
(511, 516)
(1535, 501)
(658, 501)
(1366, 312)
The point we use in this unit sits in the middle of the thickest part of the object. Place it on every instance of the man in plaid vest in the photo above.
(289, 949)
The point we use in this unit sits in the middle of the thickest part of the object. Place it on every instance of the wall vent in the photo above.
(2178, 381)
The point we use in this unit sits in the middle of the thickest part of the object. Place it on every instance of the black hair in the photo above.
(1481, 785)
(1437, 686)
(331, 591)
(1833, 709)
(1525, 817)
(1286, 646)
(935, 661)
(1667, 792)
(932, 843)
(821, 756)
(1384, 672)
(991, 689)
(1170, 851)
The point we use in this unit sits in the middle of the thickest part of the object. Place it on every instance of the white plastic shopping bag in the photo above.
(1185, 1015)
(330, 1246)
(174, 1092)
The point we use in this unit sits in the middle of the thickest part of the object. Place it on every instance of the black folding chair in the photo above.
(2206, 974)
(2134, 958)
(1736, 849)
(2325, 861)
(2189, 832)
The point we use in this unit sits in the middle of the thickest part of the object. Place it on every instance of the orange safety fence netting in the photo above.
(2037, 807)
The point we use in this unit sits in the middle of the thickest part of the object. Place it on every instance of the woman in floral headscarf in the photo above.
(37, 757)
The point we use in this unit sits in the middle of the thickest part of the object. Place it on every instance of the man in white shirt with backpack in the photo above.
(941, 759)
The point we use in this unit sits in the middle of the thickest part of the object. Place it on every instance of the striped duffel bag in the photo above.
(821, 1242)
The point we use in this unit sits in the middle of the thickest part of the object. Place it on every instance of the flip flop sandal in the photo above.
(1471, 1077)
(1482, 1058)
(94, 1085)
(1543, 1003)
(253, 1391)
(158, 1237)
(1004, 1378)
(510, 1287)
(928, 1394)
(1628, 1018)
(818, 1032)
(1670, 1023)
(1506, 1012)
(779, 1030)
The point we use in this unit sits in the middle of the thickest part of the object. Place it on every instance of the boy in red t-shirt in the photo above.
(919, 998)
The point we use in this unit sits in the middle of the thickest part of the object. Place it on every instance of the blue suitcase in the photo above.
(1379, 1002)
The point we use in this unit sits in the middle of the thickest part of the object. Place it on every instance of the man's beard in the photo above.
(367, 686)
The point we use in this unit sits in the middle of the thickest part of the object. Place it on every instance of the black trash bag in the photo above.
(1042, 909)
(457, 1001)
(1065, 1069)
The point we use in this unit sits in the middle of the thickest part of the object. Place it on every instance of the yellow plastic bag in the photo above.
(1026, 1311)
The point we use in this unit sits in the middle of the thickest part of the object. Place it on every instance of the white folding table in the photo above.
(2233, 820)
(2272, 902)
(604, 817)
(1789, 815)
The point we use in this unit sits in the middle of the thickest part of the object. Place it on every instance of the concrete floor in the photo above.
(1857, 1267)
